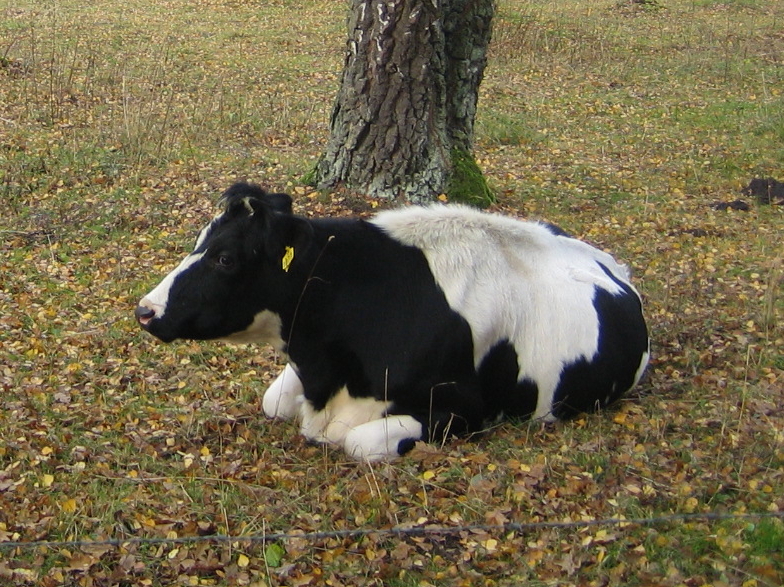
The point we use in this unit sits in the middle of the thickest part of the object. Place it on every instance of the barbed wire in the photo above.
(424, 530)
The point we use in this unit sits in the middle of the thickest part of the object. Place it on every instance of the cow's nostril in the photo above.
(144, 314)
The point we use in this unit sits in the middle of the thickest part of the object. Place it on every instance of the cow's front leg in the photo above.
(383, 439)
(284, 396)
(342, 413)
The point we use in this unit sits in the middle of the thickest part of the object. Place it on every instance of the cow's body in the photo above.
(418, 324)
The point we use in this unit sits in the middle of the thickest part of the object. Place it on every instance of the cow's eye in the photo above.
(225, 261)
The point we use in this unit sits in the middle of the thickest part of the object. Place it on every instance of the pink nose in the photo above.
(144, 314)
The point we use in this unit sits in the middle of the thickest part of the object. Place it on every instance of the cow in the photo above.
(422, 323)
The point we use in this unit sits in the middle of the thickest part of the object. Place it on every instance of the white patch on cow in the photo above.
(248, 206)
(283, 398)
(341, 414)
(379, 439)
(643, 364)
(204, 234)
(158, 298)
(265, 329)
(513, 280)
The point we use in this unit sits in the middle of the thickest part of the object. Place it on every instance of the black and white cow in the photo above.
(418, 324)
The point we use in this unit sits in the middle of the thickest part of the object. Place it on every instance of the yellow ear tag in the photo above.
(288, 257)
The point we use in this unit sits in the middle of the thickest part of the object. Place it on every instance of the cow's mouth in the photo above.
(144, 315)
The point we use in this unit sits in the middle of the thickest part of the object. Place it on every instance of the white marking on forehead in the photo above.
(159, 297)
(206, 231)
(265, 329)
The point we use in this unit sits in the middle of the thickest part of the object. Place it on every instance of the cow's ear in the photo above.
(288, 239)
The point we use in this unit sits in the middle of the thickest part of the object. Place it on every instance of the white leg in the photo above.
(379, 440)
(312, 423)
(284, 395)
(341, 414)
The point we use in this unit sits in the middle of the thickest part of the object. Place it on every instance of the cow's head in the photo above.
(233, 284)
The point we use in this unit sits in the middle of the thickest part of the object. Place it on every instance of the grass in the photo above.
(621, 122)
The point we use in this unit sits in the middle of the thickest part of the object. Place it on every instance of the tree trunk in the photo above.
(402, 124)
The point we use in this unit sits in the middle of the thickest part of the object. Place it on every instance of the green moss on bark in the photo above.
(310, 177)
(467, 184)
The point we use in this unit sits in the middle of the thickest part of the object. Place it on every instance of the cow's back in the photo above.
(541, 307)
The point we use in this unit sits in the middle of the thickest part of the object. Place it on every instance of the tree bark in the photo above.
(403, 121)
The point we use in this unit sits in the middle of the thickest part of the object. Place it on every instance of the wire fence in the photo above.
(424, 530)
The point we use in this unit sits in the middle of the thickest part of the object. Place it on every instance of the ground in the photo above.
(626, 123)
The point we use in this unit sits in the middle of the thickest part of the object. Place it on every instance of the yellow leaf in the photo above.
(429, 474)
(490, 544)
(147, 521)
(243, 561)
(68, 505)
(47, 480)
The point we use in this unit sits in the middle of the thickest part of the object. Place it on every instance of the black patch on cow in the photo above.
(371, 318)
(555, 229)
(501, 390)
(406, 445)
(591, 383)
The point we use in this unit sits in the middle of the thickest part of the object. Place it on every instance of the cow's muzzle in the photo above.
(144, 314)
